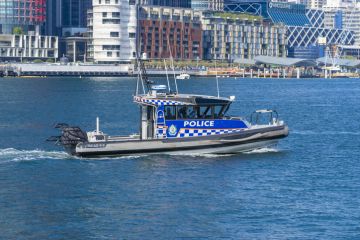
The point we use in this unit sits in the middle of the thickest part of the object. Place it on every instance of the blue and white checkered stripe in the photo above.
(158, 101)
(205, 132)
(162, 102)
(161, 131)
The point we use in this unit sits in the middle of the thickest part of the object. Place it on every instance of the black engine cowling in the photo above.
(69, 138)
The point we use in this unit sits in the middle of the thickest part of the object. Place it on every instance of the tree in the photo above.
(18, 31)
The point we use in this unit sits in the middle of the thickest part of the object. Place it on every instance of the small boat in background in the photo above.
(183, 76)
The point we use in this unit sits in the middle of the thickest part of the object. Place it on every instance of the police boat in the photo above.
(172, 122)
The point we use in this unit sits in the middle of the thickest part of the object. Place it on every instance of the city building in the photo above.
(315, 4)
(73, 14)
(304, 27)
(112, 26)
(234, 36)
(343, 15)
(28, 47)
(167, 3)
(66, 18)
(29, 15)
(204, 5)
(21, 27)
(257, 7)
(316, 17)
(166, 32)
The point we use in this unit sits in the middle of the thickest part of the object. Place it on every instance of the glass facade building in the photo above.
(66, 17)
(172, 3)
(203, 5)
(26, 14)
(73, 12)
(289, 14)
(168, 3)
(304, 27)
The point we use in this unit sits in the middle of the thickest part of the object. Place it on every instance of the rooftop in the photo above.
(181, 99)
(339, 62)
(278, 61)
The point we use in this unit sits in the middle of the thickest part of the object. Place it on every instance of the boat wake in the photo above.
(15, 155)
(204, 155)
(214, 155)
(263, 150)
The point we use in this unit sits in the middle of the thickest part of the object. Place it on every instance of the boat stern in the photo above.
(69, 138)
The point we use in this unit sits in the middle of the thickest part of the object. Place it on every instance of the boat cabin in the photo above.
(165, 115)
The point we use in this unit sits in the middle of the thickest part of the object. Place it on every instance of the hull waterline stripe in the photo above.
(162, 150)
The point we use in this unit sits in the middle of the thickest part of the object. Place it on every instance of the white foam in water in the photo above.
(263, 150)
(15, 155)
(205, 155)
(113, 158)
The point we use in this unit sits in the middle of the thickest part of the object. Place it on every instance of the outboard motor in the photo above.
(69, 138)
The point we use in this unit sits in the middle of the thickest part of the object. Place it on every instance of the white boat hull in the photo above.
(227, 144)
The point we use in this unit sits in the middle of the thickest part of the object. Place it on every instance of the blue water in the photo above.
(308, 187)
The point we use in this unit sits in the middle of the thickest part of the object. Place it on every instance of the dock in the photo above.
(74, 70)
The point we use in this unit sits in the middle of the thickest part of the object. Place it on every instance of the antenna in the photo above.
(97, 125)
(167, 76)
(137, 85)
(143, 75)
(140, 76)
(172, 64)
(217, 79)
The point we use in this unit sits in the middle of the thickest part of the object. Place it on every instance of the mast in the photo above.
(167, 76)
(172, 64)
(143, 75)
(217, 79)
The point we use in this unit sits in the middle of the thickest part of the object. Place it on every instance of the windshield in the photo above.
(195, 112)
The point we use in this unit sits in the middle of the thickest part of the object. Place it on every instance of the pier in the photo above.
(75, 70)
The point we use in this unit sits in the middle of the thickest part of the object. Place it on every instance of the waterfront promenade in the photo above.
(73, 70)
(123, 70)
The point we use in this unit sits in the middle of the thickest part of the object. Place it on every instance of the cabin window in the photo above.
(218, 111)
(181, 112)
(194, 112)
(191, 112)
(226, 108)
(204, 112)
(170, 112)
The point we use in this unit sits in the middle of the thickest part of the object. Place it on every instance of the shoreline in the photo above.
(26, 70)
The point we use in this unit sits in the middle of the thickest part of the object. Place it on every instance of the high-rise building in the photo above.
(29, 15)
(203, 5)
(73, 15)
(21, 26)
(304, 26)
(166, 32)
(234, 36)
(315, 4)
(112, 31)
(167, 3)
(67, 17)
(343, 15)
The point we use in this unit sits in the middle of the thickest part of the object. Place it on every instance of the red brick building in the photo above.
(170, 29)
